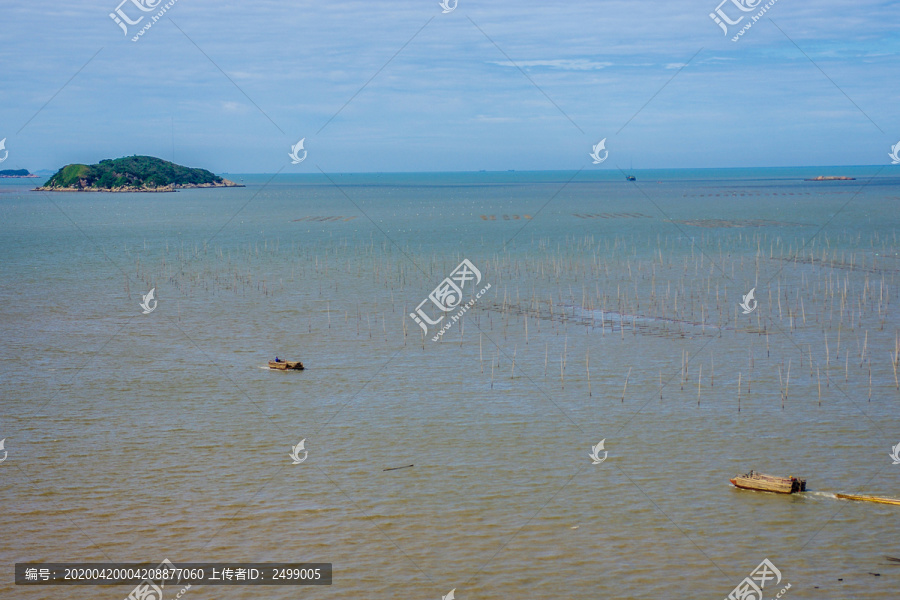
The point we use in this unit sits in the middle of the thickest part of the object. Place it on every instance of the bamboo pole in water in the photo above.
(562, 372)
(480, 353)
(819, 384)
(809, 349)
(587, 365)
(546, 354)
(781, 386)
(626, 385)
(492, 374)
(894, 365)
(699, 377)
(862, 355)
(787, 386)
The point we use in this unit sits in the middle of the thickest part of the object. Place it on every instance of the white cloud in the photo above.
(489, 119)
(564, 64)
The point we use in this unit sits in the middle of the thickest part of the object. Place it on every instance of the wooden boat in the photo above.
(286, 365)
(869, 499)
(769, 483)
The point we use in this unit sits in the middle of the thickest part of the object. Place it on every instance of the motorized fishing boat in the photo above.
(630, 177)
(769, 483)
(869, 499)
(285, 365)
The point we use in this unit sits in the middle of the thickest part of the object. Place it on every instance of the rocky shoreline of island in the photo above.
(225, 183)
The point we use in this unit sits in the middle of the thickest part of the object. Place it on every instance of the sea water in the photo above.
(136, 437)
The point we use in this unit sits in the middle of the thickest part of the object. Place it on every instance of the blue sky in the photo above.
(452, 97)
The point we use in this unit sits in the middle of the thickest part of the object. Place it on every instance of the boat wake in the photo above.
(822, 494)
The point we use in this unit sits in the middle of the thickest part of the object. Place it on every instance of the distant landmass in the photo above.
(16, 173)
(132, 174)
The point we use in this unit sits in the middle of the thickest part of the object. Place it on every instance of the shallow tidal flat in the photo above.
(176, 438)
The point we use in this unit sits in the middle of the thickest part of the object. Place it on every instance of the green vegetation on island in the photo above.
(16, 173)
(132, 174)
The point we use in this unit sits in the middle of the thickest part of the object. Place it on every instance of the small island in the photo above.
(132, 174)
(16, 173)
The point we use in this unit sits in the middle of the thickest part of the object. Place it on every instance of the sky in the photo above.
(403, 86)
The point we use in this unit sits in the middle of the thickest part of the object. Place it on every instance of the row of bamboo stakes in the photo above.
(831, 287)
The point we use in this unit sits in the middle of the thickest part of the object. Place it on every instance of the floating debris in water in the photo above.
(612, 216)
(505, 217)
(318, 218)
(734, 223)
